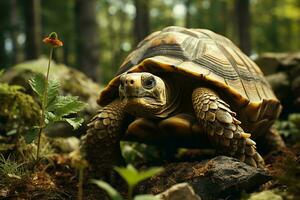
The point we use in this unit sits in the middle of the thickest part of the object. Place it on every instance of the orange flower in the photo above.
(53, 40)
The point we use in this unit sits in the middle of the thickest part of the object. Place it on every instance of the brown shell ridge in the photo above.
(214, 36)
(199, 53)
(245, 64)
(170, 50)
(254, 81)
(226, 73)
(153, 64)
(175, 51)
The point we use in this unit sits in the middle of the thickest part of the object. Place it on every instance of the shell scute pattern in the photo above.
(201, 54)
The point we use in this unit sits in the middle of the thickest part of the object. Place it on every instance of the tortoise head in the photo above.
(143, 93)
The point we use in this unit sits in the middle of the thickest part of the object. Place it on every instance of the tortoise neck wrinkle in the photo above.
(173, 93)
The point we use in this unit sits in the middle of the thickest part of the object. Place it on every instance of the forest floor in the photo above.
(55, 178)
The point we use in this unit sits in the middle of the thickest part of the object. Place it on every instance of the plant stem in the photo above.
(80, 184)
(130, 188)
(44, 104)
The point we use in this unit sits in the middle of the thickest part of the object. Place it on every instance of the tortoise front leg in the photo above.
(101, 145)
(223, 129)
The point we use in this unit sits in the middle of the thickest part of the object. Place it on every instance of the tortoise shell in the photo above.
(206, 56)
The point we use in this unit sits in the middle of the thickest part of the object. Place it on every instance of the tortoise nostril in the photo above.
(131, 82)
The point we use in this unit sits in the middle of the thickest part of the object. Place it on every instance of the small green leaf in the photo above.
(132, 176)
(50, 117)
(1, 72)
(75, 122)
(31, 135)
(65, 105)
(113, 194)
(146, 197)
(37, 83)
(11, 132)
(53, 91)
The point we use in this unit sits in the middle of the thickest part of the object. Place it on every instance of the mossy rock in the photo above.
(73, 82)
(19, 113)
(265, 195)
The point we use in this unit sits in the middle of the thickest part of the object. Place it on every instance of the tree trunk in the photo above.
(188, 13)
(141, 21)
(88, 47)
(3, 56)
(16, 54)
(4, 7)
(32, 28)
(242, 10)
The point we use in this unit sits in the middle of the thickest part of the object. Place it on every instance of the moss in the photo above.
(265, 195)
(73, 81)
(289, 129)
(19, 112)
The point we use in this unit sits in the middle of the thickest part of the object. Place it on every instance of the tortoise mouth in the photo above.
(131, 97)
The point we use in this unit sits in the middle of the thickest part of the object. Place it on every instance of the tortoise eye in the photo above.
(148, 82)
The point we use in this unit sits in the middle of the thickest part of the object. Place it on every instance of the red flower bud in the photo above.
(53, 40)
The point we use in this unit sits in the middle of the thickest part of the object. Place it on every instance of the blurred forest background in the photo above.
(98, 34)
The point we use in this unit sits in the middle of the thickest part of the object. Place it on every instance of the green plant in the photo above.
(136, 152)
(132, 177)
(19, 112)
(80, 164)
(289, 129)
(9, 168)
(54, 107)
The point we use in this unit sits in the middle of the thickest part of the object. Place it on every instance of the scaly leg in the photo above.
(223, 128)
(101, 145)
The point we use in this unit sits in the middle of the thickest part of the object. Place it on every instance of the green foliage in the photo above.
(145, 197)
(286, 128)
(37, 83)
(136, 152)
(58, 108)
(9, 168)
(19, 111)
(31, 135)
(290, 127)
(112, 193)
(132, 177)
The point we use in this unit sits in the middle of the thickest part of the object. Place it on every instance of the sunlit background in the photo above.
(98, 34)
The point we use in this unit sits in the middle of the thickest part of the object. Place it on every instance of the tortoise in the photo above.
(184, 87)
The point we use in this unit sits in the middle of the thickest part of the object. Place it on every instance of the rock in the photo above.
(280, 84)
(220, 177)
(265, 195)
(64, 145)
(282, 70)
(271, 63)
(73, 82)
(179, 192)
